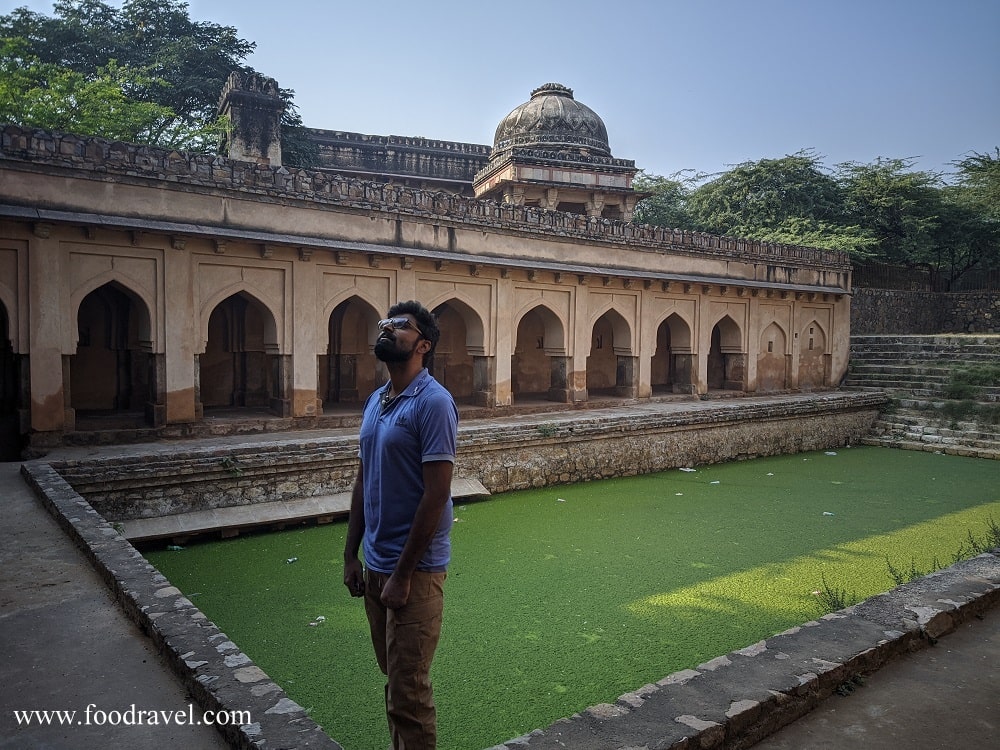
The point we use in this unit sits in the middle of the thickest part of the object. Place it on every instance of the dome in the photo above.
(553, 120)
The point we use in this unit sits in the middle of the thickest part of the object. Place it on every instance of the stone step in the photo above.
(955, 450)
(950, 360)
(917, 371)
(941, 339)
(905, 368)
(917, 432)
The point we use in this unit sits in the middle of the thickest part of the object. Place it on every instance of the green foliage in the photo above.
(761, 195)
(666, 204)
(145, 73)
(966, 383)
(884, 211)
(35, 94)
(831, 599)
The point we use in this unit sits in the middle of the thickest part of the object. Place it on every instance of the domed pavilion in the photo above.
(552, 152)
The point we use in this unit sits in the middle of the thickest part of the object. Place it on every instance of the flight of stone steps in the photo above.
(931, 409)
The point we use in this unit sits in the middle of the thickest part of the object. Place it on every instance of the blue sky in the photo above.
(680, 84)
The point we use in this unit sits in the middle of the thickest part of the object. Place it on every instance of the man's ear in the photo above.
(423, 346)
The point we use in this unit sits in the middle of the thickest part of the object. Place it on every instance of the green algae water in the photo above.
(568, 596)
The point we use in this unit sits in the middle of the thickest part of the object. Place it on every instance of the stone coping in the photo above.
(731, 701)
(218, 676)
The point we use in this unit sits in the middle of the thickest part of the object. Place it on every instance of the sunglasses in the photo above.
(398, 324)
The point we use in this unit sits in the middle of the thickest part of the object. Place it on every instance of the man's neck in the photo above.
(401, 374)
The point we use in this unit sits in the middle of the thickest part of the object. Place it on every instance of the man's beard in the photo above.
(387, 351)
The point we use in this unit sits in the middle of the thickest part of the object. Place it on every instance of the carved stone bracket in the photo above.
(220, 247)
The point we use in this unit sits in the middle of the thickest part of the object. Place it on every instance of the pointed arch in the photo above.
(554, 336)
(673, 367)
(110, 370)
(133, 290)
(475, 328)
(537, 362)
(273, 337)
(814, 361)
(241, 364)
(726, 366)
(348, 369)
(610, 365)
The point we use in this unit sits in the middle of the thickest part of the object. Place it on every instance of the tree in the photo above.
(666, 202)
(162, 57)
(43, 95)
(979, 177)
(968, 234)
(899, 207)
(761, 196)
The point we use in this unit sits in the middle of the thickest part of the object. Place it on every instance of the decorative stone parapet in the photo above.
(39, 149)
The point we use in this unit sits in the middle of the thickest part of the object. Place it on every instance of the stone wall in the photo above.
(889, 311)
(547, 450)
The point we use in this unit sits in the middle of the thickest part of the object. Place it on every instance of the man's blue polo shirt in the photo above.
(419, 425)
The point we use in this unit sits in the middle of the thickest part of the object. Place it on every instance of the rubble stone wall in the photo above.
(889, 311)
(534, 453)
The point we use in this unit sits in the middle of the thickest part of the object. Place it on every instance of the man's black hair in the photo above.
(426, 322)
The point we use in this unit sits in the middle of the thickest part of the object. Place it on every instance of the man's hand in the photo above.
(396, 592)
(354, 577)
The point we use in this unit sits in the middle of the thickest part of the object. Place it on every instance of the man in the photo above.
(401, 510)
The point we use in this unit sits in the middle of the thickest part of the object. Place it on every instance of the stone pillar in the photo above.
(558, 386)
(736, 366)
(156, 404)
(199, 406)
(281, 373)
(253, 105)
(46, 317)
(69, 413)
(483, 378)
(595, 205)
(626, 384)
(347, 388)
(685, 367)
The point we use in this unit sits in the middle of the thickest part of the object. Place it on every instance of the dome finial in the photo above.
(552, 88)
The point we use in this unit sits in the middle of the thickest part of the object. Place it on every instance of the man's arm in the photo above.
(437, 490)
(353, 572)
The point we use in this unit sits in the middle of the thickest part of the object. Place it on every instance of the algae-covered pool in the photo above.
(568, 596)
